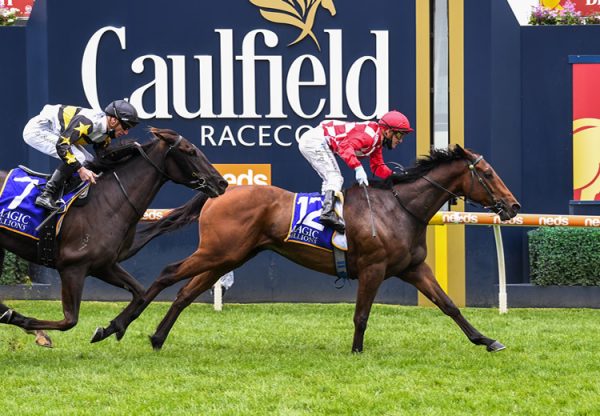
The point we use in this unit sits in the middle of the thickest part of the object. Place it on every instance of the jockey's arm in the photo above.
(347, 151)
(378, 166)
(64, 151)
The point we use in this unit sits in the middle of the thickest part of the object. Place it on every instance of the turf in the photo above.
(294, 359)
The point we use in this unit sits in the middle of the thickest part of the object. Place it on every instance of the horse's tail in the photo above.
(179, 217)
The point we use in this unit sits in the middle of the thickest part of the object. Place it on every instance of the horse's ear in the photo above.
(460, 150)
(155, 132)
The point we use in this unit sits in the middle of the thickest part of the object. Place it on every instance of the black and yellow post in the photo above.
(446, 245)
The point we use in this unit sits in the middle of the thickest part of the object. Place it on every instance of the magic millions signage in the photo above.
(234, 109)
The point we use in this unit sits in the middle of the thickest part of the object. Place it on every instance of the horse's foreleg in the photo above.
(72, 287)
(169, 276)
(369, 281)
(118, 277)
(423, 279)
(185, 297)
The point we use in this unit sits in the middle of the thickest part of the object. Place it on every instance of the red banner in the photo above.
(586, 7)
(25, 6)
(586, 132)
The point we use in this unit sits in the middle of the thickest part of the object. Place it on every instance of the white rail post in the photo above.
(218, 296)
(502, 298)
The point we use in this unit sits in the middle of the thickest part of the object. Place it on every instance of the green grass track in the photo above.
(294, 359)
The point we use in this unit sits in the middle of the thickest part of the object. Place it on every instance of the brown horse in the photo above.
(249, 219)
(95, 236)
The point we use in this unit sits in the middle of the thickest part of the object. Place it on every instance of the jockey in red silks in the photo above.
(351, 141)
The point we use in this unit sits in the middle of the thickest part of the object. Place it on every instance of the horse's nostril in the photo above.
(223, 183)
(516, 207)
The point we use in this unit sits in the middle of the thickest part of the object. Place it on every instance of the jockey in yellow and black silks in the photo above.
(62, 131)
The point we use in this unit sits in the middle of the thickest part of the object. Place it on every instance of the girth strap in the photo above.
(46, 245)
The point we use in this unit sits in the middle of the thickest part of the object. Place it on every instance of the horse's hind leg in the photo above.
(423, 279)
(185, 297)
(369, 281)
(41, 338)
(72, 280)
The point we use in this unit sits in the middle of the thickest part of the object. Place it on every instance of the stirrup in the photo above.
(334, 223)
(46, 203)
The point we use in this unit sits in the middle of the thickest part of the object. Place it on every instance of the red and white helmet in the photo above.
(395, 120)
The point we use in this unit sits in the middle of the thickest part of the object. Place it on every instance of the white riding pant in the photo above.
(38, 133)
(313, 146)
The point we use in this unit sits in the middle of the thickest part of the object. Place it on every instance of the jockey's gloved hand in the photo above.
(361, 176)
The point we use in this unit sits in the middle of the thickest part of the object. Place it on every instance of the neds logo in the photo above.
(245, 174)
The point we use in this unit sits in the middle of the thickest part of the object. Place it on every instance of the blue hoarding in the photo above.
(240, 79)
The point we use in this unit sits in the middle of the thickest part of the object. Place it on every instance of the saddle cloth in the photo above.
(18, 212)
(305, 227)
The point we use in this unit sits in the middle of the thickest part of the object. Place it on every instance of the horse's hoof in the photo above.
(495, 347)
(156, 343)
(6, 317)
(120, 335)
(98, 335)
(43, 340)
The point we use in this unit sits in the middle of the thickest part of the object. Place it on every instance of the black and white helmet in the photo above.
(124, 112)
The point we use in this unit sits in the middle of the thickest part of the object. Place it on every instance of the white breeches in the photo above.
(38, 134)
(313, 146)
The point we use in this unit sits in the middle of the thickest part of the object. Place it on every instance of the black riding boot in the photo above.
(328, 215)
(47, 199)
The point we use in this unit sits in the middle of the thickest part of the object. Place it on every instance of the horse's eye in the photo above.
(488, 175)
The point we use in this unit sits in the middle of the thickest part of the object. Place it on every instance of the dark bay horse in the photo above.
(249, 219)
(41, 338)
(94, 236)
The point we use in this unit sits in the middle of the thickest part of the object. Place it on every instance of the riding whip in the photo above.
(373, 232)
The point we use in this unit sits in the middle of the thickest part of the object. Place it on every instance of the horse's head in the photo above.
(185, 164)
(483, 185)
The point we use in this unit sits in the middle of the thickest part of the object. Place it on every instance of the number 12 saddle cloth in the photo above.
(306, 229)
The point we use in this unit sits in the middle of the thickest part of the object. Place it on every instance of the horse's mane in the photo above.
(421, 167)
(111, 157)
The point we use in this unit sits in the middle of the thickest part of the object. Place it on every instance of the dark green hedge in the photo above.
(15, 270)
(564, 256)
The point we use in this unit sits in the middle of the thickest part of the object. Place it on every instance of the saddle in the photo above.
(72, 184)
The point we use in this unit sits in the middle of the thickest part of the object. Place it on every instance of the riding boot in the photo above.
(47, 199)
(328, 215)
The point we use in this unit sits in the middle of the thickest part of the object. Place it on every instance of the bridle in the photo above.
(196, 184)
(497, 206)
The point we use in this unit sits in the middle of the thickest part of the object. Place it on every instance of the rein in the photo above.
(126, 195)
(145, 156)
(474, 173)
(154, 165)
